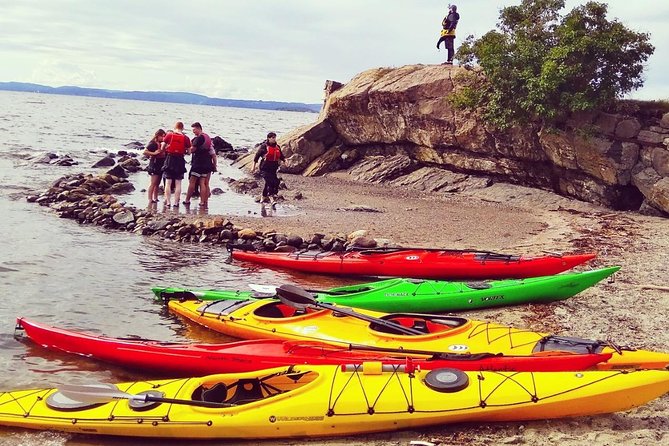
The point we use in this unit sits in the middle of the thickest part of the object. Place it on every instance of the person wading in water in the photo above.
(175, 145)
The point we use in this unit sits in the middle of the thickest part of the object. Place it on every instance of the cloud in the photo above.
(264, 49)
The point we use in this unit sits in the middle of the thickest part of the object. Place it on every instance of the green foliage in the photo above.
(541, 66)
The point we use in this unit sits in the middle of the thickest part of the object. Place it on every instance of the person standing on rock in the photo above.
(156, 160)
(270, 155)
(448, 25)
(175, 146)
(202, 164)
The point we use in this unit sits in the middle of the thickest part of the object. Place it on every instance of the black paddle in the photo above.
(299, 298)
(95, 394)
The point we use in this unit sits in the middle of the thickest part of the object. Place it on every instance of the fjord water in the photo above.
(58, 272)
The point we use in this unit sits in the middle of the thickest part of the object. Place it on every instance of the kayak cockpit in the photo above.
(424, 324)
(235, 392)
(278, 310)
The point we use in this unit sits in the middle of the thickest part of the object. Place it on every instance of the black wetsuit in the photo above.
(156, 162)
(449, 23)
(201, 161)
(268, 170)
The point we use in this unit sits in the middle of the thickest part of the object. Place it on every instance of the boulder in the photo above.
(628, 128)
(664, 122)
(107, 161)
(124, 217)
(118, 171)
(221, 145)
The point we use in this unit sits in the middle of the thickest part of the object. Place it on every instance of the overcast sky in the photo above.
(256, 49)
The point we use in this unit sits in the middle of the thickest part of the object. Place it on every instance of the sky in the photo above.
(281, 50)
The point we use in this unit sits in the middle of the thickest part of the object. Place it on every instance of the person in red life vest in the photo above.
(202, 164)
(271, 155)
(156, 160)
(175, 145)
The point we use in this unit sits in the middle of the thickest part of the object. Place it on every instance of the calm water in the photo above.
(55, 271)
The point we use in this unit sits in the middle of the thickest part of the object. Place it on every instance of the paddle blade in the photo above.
(95, 393)
(264, 289)
(293, 295)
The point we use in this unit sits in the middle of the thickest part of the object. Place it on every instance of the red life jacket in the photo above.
(207, 141)
(177, 144)
(273, 153)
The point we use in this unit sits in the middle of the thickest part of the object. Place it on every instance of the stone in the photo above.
(429, 179)
(247, 234)
(44, 158)
(121, 188)
(328, 162)
(118, 171)
(308, 142)
(355, 234)
(364, 242)
(377, 169)
(294, 240)
(107, 161)
(221, 145)
(660, 161)
(628, 128)
(131, 165)
(361, 208)
(243, 185)
(124, 217)
(607, 123)
(664, 122)
(132, 145)
(650, 137)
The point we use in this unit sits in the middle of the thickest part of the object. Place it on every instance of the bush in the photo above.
(541, 67)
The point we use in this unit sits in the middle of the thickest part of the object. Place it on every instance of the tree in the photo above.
(540, 67)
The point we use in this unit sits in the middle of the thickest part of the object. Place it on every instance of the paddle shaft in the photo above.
(376, 320)
(180, 401)
(433, 354)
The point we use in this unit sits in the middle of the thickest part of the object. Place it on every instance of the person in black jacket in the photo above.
(271, 155)
(448, 25)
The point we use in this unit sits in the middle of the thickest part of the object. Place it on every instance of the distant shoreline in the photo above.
(160, 96)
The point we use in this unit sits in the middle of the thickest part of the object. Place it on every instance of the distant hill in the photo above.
(160, 96)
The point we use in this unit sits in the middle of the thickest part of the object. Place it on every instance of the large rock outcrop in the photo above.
(397, 125)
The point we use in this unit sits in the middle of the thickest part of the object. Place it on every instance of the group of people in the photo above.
(167, 151)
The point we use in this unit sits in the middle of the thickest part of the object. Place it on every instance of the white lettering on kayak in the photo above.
(458, 348)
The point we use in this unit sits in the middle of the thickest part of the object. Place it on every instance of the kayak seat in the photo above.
(420, 325)
(273, 310)
(216, 394)
(246, 391)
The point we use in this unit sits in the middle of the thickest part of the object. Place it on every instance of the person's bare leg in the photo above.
(151, 190)
(168, 192)
(204, 192)
(155, 183)
(177, 192)
(190, 190)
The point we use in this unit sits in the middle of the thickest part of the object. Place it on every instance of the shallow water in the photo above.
(55, 271)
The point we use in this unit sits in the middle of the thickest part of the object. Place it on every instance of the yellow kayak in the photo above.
(272, 319)
(304, 401)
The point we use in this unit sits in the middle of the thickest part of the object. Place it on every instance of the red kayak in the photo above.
(417, 263)
(243, 356)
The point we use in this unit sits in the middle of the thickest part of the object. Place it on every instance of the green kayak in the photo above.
(424, 296)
